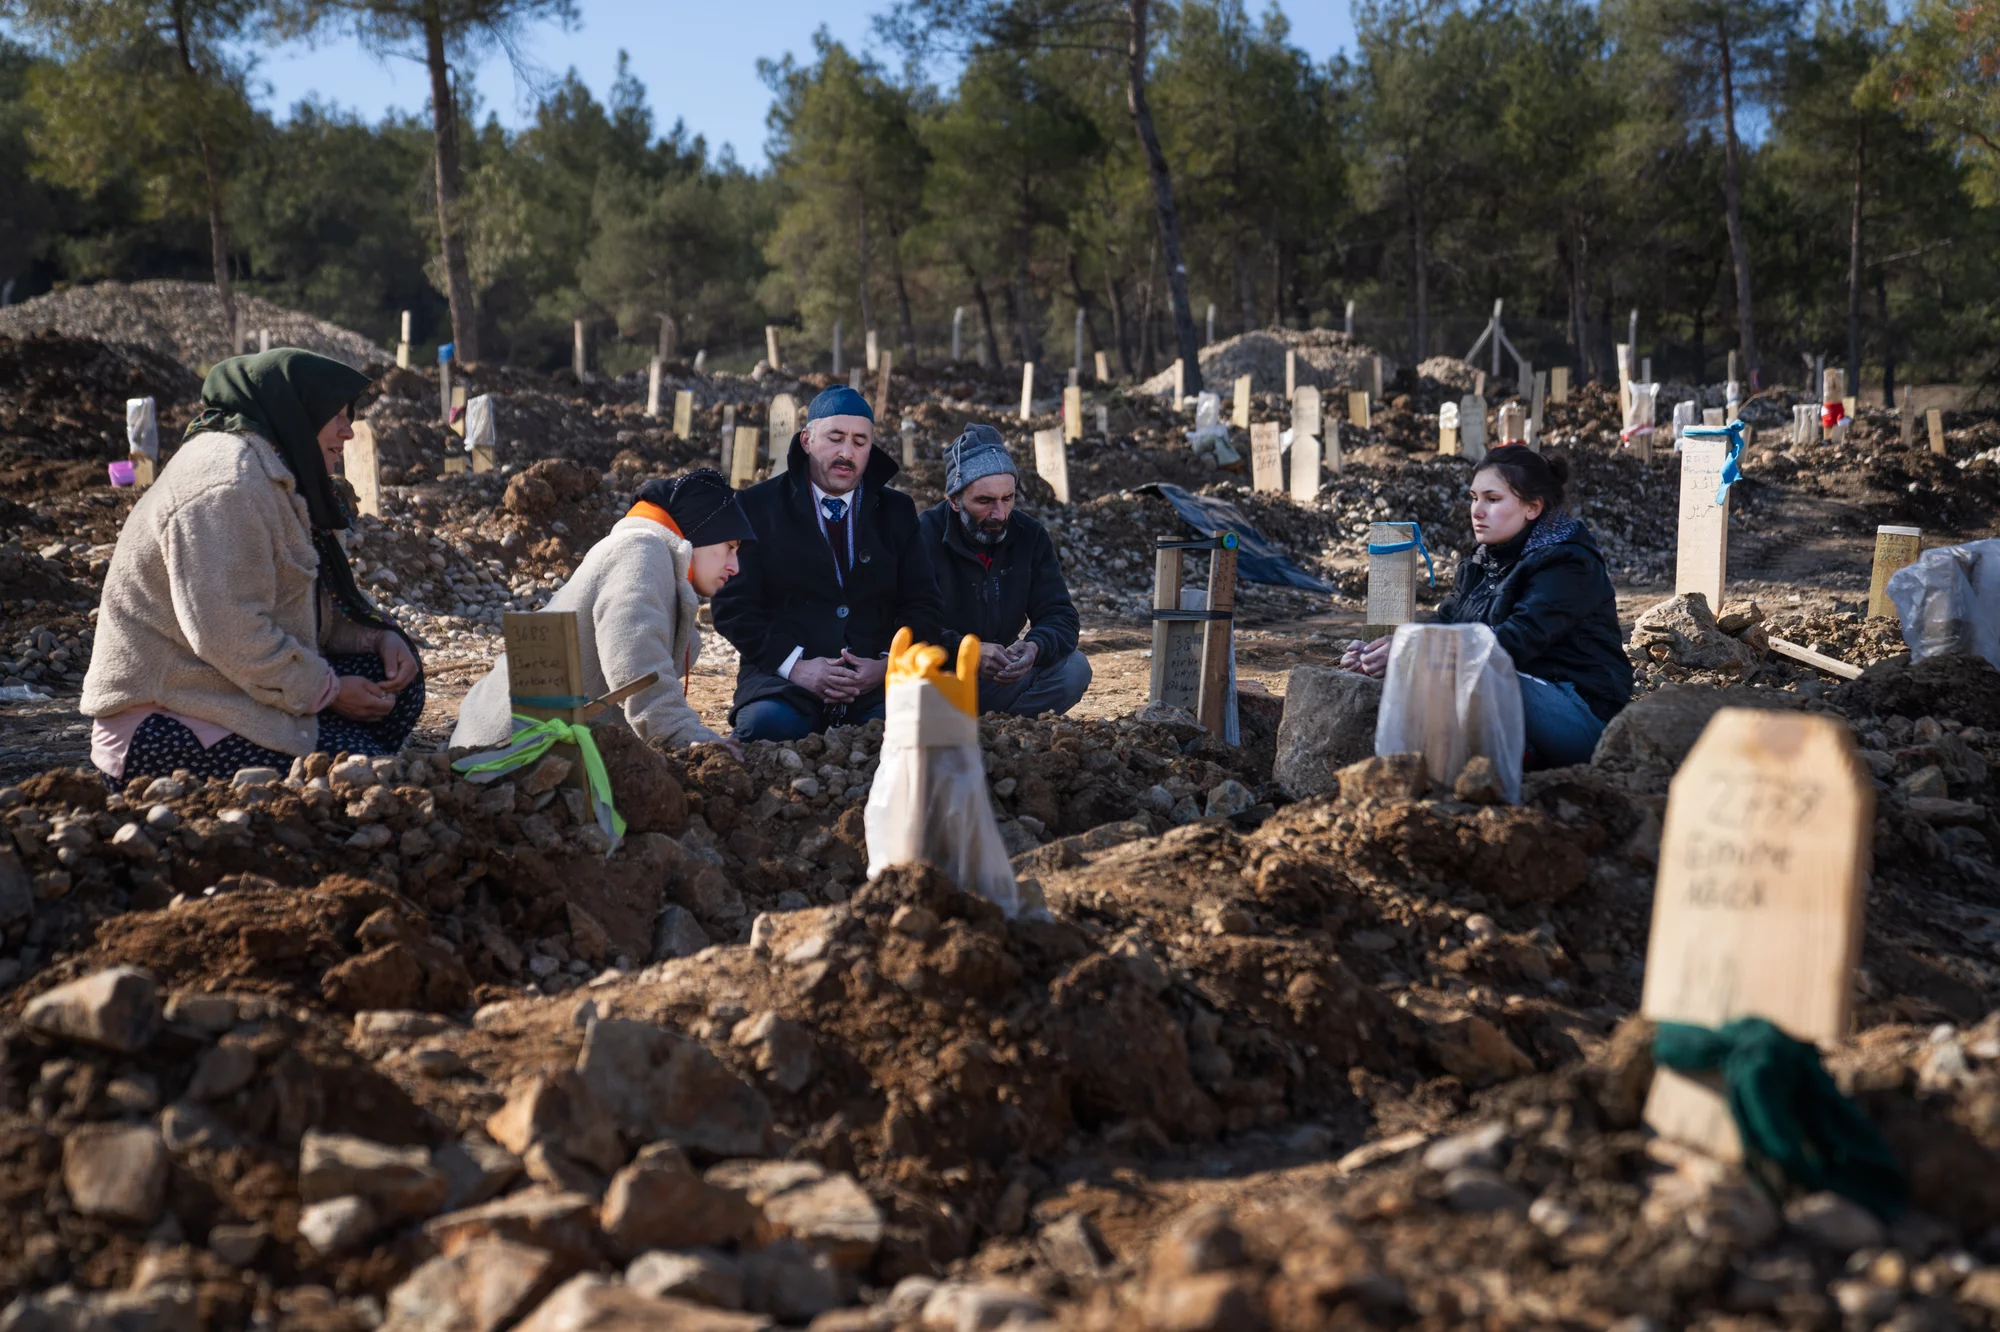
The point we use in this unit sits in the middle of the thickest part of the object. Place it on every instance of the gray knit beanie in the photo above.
(978, 452)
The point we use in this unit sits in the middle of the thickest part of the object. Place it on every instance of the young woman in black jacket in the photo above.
(1537, 578)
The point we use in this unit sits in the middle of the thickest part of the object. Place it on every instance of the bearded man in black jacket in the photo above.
(840, 569)
(997, 572)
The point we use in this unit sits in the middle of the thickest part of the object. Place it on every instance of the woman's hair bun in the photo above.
(1559, 468)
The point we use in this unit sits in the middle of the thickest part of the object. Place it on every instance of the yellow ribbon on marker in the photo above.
(911, 661)
(536, 739)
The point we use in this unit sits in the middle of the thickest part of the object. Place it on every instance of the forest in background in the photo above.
(1767, 177)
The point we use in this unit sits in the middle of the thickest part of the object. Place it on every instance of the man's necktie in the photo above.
(836, 532)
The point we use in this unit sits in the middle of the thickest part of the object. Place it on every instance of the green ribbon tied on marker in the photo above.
(532, 739)
(1732, 463)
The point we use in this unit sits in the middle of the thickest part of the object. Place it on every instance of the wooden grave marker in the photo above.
(1358, 415)
(1472, 427)
(1305, 467)
(1908, 418)
(1392, 578)
(1895, 547)
(444, 389)
(909, 434)
(1180, 382)
(403, 347)
(579, 360)
(1536, 403)
(1934, 423)
(1702, 558)
(1192, 638)
(1712, 417)
(881, 403)
(1512, 423)
(1103, 421)
(683, 414)
(543, 662)
(1375, 379)
(1103, 367)
(1240, 417)
(784, 424)
(1073, 412)
(1027, 390)
(771, 346)
(727, 443)
(362, 465)
(874, 351)
(743, 457)
(1306, 418)
(1267, 458)
(1330, 450)
(854, 377)
(457, 415)
(1758, 905)
(1291, 373)
(653, 370)
(1052, 461)
(1559, 384)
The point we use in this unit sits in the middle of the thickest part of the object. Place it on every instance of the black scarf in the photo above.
(286, 396)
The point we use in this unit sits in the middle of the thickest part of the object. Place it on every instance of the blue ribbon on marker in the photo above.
(553, 701)
(1398, 547)
(1732, 465)
(445, 352)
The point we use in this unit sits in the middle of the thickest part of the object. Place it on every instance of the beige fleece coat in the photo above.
(635, 612)
(211, 605)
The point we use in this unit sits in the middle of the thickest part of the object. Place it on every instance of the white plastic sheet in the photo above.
(1949, 601)
(1450, 693)
(142, 427)
(479, 429)
(929, 803)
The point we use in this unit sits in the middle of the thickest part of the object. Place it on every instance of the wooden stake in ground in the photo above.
(1895, 547)
(1267, 457)
(1073, 413)
(1027, 390)
(1513, 423)
(1052, 461)
(1103, 367)
(403, 347)
(1472, 428)
(1180, 382)
(1330, 451)
(1559, 384)
(1291, 373)
(683, 414)
(1909, 416)
(771, 346)
(1392, 576)
(874, 353)
(578, 358)
(1758, 906)
(1703, 554)
(1240, 418)
(1358, 414)
(854, 377)
(1103, 421)
(361, 464)
(1305, 467)
(727, 443)
(743, 458)
(1624, 351)
(1375, 379)
(1192, 641)
(545, 674)
(1306, 412)
(909, 434)
(1934, 423)
(784, 424)
(882, 389)
(444, 385)
(653, 388)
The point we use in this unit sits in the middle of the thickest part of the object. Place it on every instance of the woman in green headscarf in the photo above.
(231, 633)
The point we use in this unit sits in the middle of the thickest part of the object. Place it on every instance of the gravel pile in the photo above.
(182, 320)
(1322, 357)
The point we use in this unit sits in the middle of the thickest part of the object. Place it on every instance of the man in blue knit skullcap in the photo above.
(837, 568)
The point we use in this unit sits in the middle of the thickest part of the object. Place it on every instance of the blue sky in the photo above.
(698, 62)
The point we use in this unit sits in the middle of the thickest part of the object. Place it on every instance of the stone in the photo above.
(223, 1070)
(561, 1109)
(132, 842)
(1328, 724)
(833, 1216)
(1927, 782)
(546, 1164)
(1683, 630)
(1835, 1223)
(783, 1050)
(1480, 1148)
(978, 1306)
(678, 934)
(1385, 777)
(1214, 1302)
(1476, 1052)
(115, 1172)
(17, 889)
(400, 1182)
(591, 1303)
(1471, 1189)
(238, 1244)
(791, 1284)
(337, 1225)
(1228, 798)
(703, 1276)
(659, 1202)
(562, 1224)
(1072, 1245)
(1479, 782)
(658, 1084)
(1661, 727)
(483, 1287)
(474, 1170)
(254, 778)
(1202, 1239)
(166, 1306)
(210, 1013)
(118, 1009)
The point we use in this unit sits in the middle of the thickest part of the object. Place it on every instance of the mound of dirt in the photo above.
(62, 398)
(1322, 357)
(181, 320)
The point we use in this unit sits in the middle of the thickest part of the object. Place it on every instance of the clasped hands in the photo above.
(840, 679)
(362, 699)
(1005, 665)
(1370, 659)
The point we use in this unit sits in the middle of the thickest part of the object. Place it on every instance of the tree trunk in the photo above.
(867, 301)
(1421, 257)
(907, 327)
(1121, 331)
(985, 304)
(1732, 197)
(211, 172)
(1246, 287)
(1854, 268)
(451, 239)
(1082, 299)
(1163, 191)
(1888, 342)
(1149, 364)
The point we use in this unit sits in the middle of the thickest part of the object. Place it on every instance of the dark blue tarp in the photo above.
(1257, 560)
